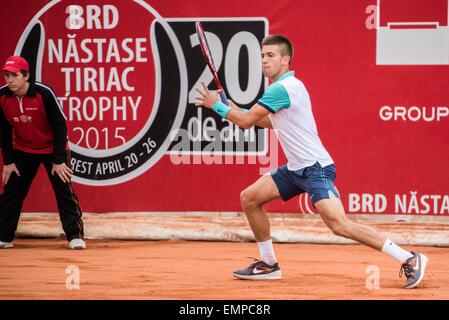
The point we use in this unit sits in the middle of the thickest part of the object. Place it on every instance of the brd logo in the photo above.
(103, 61)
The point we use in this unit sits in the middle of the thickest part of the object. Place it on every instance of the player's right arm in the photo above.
(274, 99)
(264, 122)
(246, 119)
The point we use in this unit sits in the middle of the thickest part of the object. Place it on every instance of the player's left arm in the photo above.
(242, 118)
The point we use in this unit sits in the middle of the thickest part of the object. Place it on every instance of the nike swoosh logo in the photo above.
(259, 271)
(418, 263)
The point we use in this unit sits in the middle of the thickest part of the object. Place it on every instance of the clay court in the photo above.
(196, 270)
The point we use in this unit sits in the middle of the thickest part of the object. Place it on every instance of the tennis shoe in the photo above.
(259, 270)
(414, 269)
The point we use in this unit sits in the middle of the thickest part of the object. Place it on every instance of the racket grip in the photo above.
(223, 98)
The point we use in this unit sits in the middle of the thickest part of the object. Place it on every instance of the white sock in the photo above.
(266, 251)
(395, 251)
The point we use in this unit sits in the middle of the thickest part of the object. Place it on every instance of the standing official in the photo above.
(33, 131)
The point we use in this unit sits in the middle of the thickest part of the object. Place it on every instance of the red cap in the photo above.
(15, 64)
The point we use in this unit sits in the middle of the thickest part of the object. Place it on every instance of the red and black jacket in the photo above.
(33, 123)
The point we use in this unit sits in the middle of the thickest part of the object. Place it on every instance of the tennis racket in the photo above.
(210, 62)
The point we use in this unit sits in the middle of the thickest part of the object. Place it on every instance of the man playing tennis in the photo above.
(286, 107)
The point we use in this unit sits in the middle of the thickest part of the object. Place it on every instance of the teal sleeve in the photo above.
(275, 98)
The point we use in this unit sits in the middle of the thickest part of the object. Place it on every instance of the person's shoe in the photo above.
(259, 270)
(6, 245)
(414, 269)
(77, 244)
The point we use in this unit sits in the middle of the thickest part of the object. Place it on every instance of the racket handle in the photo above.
(223, 98)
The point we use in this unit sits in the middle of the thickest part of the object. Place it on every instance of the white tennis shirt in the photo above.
(291, 115)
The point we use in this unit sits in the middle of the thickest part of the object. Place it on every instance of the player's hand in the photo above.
(206, 98)
(63, 172)
(7, 171)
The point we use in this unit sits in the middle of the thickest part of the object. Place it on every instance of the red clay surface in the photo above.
(36, 269)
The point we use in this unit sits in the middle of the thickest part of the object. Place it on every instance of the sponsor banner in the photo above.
(125, 74)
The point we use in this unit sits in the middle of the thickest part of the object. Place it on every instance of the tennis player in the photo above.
(285, 106)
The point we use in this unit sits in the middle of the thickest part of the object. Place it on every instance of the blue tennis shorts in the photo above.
(317, 181)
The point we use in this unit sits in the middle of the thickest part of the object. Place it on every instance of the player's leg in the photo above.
(269, 187)
(332, 212)
(413, 264)
(330, 208)
(68, 206)
(252, 200)
(14, 193)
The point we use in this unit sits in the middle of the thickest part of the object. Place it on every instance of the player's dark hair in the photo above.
(287, 48)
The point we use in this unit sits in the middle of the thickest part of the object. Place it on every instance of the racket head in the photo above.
(205, 48)
(207, 54)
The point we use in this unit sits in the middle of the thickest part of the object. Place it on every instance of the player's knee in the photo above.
(247, 200)
(340, 227)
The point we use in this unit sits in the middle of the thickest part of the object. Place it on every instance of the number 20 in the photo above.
(234, 90)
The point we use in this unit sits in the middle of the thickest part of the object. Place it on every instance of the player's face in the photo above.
(274, 63)
(16, 82)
